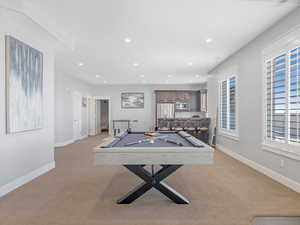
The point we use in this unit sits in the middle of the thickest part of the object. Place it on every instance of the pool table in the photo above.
(169, 150)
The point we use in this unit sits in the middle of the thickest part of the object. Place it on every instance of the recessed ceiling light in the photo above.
(142, 75)
(135, 64)
(190, 64)
(208, 40)
(97, 75)
(80, 64)
(197, 75)
(170, 76)
(104, 81)
(127, 40)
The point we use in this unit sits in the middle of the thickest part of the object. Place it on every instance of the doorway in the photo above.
(99, 111)
(104, 117)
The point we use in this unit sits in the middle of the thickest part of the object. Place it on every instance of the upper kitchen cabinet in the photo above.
(165, 96)
(184, 96)
(185, 101)
(172, 96)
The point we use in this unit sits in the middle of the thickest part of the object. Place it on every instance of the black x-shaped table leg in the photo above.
(153, 181)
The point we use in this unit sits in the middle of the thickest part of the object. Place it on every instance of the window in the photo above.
(294, 97)
(276, 97)
(224, 104)
(227, 104)
(282, 105)
(232, 90)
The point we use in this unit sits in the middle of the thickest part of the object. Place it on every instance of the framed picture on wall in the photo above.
(132, 100)
(24, 86)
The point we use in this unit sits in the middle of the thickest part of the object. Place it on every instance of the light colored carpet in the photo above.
(276, 221)
(78, 193)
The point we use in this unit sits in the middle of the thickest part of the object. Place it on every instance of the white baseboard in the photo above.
(62, 144)
(25, 179)
(264, 170)
(83, 137)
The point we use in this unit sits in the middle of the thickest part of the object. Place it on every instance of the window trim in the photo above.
(270, 147)
(228, 133)
(231, 135)
(283, 46)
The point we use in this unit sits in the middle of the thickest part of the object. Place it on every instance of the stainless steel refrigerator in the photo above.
(165, 111)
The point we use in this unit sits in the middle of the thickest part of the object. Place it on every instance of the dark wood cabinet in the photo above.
(192, 98)
(166, 96)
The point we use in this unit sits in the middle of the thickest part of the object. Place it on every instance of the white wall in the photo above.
(250, 95)
(64, 87)
(26, 155)
(145, 116)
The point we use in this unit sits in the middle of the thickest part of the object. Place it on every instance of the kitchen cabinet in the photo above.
(166, 97)
(189, 98)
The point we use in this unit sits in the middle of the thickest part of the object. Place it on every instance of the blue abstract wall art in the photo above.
(24, 87)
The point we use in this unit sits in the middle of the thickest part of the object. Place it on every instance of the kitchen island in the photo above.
(198, 127)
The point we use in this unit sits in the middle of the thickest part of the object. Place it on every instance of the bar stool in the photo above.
(178, 125)
(189, 126)
(164, 125)
(203, 129)
(203, 124)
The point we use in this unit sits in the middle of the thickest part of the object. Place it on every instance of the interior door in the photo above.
(77, 104)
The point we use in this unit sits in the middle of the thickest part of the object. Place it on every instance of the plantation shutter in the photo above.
(269, 99)
(232, 103)
(294, 96)
(223, 106)
(279, 70)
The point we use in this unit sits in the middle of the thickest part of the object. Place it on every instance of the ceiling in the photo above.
(168, 37)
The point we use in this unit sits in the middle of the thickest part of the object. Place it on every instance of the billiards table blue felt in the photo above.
(134, 137)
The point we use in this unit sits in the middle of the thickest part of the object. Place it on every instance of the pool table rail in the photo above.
(151, 155)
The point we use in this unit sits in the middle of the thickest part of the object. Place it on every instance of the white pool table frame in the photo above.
(152, 155)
